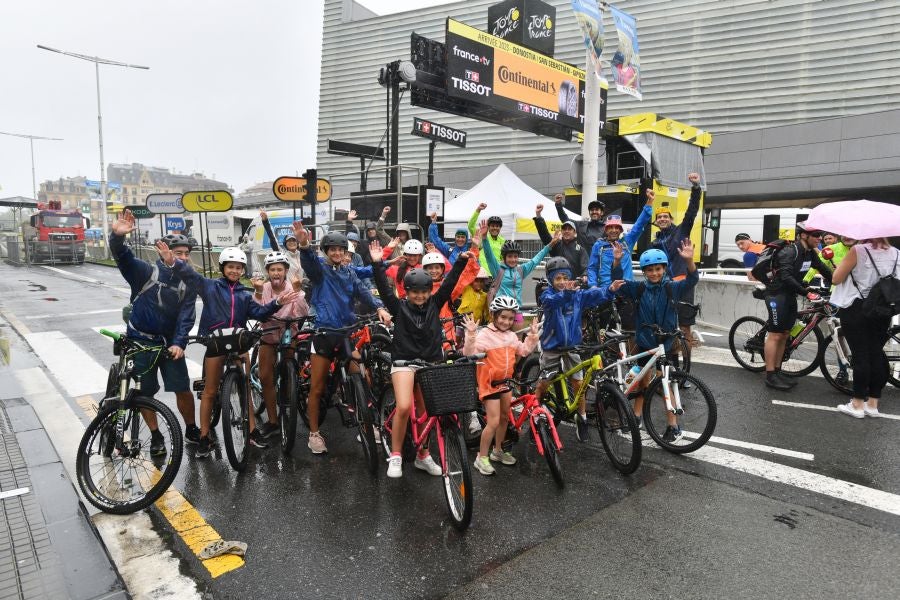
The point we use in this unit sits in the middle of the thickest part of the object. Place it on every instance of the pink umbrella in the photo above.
(858, 219)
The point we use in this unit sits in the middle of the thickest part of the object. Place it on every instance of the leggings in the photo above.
(866, 338)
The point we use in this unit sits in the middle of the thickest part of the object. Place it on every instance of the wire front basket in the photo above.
(449, 388)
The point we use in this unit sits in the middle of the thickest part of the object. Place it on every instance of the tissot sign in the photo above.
(488, 70)
(438, 132)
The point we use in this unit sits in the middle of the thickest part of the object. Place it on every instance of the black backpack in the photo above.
(764, 269)
(883, 301)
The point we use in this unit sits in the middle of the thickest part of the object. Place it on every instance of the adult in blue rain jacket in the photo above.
(460, 241)
(599, 270)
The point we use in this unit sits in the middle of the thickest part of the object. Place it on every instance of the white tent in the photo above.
(508, 197)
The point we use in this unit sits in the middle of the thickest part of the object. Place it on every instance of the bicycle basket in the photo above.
(223, 341)
(448, 389)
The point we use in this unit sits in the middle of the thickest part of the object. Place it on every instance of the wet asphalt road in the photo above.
(321, 526)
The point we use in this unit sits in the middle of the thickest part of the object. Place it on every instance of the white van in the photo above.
(750, 221)
(256, 243)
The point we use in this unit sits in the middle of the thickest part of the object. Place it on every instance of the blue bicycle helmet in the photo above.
(653, 257)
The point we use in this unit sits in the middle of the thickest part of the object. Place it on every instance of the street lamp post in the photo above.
(97, 62)
(31, 139)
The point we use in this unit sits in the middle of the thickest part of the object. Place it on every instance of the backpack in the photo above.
(181, 289)
(764, 269)
(495, 283)
(883, 301)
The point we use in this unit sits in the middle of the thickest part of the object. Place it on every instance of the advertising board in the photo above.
(207, 201)
(440, 133)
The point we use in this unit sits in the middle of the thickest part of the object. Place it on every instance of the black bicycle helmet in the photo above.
(556, 263)
(417, 280)
(334, 239)
(495, 220)
(596, 204)
(176, 239)
(510, 246)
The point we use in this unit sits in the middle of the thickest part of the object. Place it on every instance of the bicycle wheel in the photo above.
(235, 420)
(697, 422)
(259, 404)
(364, 421)
(551, 452)
(747, 340)
(839, 376)
(128, 479)
(529, 371)
(618, 428)
(682, 349)
(303, 400)
(892, 352)
(287, 403)
(804, 359)
(457, 476)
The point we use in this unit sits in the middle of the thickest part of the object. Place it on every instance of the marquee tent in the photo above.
(508, 197)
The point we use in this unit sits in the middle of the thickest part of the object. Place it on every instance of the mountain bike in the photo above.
(115, 468)
(835, 361)
(232, 400)
(447, 390)
(747, 341)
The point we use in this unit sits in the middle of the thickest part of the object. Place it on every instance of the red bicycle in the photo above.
(447, 390)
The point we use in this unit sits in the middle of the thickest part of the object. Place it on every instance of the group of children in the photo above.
(415, 292)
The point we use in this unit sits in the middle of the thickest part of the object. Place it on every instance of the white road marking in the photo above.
(78, 373)
(75, 314)
(751, 446)
(14, 493)
(195, 369)
(826, 408)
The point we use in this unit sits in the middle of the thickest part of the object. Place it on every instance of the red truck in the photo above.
(55, 235)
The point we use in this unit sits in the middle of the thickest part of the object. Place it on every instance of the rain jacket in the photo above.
(468, 276)
(334, 290)
(450, 252)
(587, 231)
(501, 349)
(572, 251)
(158, 311)
(562, 314)
(510, 279)
(840, 251)
(657, 306)
(669, 240)
(599, 270)
(225, 304)
(475, 303)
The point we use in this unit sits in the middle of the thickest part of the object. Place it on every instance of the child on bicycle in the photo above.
(417, 335)
(563, 304)
(501, 347)
(335, 289)
(656, 305)
(277, 266)
(226, 304)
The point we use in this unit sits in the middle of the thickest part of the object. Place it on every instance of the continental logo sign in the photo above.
(207, 201)
(293, 189)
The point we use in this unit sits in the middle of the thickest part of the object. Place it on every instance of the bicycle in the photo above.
(348, 393)
(835, 361)
(693, 406)
(447, 390)
(232, 343)
(115, 468)
(747, 341)
(613, 416)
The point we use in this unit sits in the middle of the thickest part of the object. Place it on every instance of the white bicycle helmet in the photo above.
(232, 254)
(433, 258)
(504, 303)
(275, 258)
(483, 274)
(413, 247)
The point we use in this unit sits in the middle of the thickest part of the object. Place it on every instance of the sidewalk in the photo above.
(48, 546)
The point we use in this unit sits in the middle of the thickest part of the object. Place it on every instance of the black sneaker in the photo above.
(791, 381)
(775, 382)
(267, 430)
(204, 447)
(257, 439)
(672, 434)
(192, 435)
(582, 431)
(157, 444)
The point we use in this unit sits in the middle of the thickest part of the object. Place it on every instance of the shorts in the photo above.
(550, 362)
(328, 345)
(405, 369)
(174, 373)
(782, 309)
(687, 315)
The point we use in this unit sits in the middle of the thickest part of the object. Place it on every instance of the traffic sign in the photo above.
(293, 189)
(207, 201)
(165, 204)
(140, 211)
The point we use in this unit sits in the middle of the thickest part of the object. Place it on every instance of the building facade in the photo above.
(71, 193)
(137, 181)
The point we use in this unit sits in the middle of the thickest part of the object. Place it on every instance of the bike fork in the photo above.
(671, 394)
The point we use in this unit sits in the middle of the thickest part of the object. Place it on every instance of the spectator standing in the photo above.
(588, 231)
(568, 246)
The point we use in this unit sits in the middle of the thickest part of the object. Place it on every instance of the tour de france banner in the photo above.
(626, 62)
(494, 72)
(588, 15)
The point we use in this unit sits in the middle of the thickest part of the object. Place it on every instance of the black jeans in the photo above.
(866, 338)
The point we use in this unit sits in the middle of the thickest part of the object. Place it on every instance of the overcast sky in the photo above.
(232, 89)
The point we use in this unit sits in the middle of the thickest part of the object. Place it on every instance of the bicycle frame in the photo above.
(531, 409)
(588, 367)
(670, 393)
(421, 426)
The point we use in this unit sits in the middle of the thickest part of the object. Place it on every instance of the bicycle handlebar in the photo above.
(418, 362)
(116, 336)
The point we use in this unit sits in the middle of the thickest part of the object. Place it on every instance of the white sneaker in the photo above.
(428, 465)
(317, 443)
(848, 409)
(484, 465)
(395, 467)
(871, 412)
(502, 457)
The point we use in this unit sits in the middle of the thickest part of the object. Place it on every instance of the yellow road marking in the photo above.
(187, 522)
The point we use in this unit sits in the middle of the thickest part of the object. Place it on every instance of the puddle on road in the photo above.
(35, 287)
